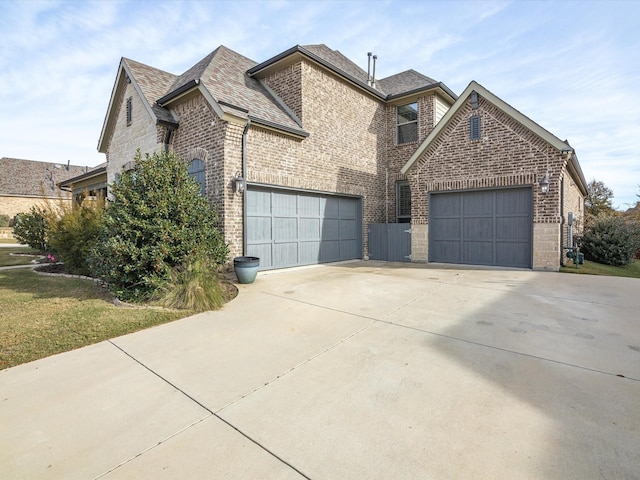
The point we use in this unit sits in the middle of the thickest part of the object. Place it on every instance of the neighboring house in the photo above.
(26, 183)
(303, 152)
(91, 184)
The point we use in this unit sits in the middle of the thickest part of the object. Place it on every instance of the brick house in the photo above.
(27, 183)
(303, 152)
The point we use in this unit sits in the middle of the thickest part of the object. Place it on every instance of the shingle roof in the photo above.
(405, 82)
(31, 178)
(227, 77)
(154, 83)
(338, 60)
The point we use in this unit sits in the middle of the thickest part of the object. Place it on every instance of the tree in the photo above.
(598, 199)
(156, 222)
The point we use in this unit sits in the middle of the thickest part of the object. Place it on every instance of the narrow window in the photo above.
(403, 202)
(129, 110)
(474, 127)
(196, 171)
(407, 123)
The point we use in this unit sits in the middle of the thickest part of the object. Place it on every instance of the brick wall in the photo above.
(573, 201)
(345, 150)
(506, 155)
(12, 205)
(125, 140)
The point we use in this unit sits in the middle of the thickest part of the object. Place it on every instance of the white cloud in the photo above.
(570, 66)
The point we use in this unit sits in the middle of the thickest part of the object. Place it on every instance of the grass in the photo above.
(27, 255)
(593, 268)
(42, 316)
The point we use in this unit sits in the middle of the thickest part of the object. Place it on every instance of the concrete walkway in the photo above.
(364, 370)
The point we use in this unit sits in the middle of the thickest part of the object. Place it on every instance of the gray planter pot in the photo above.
(246, 268)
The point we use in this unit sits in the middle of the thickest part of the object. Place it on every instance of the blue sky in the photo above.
(572, 67)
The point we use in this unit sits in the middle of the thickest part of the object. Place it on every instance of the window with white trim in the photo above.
(407, 123)
(403, 202)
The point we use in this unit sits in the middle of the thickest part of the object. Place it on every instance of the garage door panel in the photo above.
(480, 228)
(310, 228)
(259, 229)
(330, 251)
(309, 252)
(284, 204)
(309, 206)
(330, 229)
(491, 227)
(287, 228)
(446, 251)
(285, 254)
(513, 228)
(514, 202)
(259, 203)
(477, 203)
(348, 208)
(477, 253)
(445, 228)
(512, 254)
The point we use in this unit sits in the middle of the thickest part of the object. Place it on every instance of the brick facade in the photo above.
(506, 155)
(351, 149)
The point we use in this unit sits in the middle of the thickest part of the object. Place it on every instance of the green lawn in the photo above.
(43, 315)
(25, 256)
(593, 268)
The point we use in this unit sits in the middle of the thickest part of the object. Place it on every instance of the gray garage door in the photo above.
(288, 228)
(489, 227)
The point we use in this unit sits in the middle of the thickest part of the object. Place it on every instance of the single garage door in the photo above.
(289, 228)
(487, 227)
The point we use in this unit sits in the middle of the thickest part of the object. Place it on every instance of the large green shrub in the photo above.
(611, 240)
(73, 234)
(31, 228)
(156, 220)
(5, 220)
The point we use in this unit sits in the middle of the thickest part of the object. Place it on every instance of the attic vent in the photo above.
(474, 127)
(129, 110)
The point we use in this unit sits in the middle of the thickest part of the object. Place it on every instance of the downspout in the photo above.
(167, 138)
(562, 222)
(244, 194)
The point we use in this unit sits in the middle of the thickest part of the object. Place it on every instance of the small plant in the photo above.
(31, 228)
(5, 220)
(610, 240)
(73, 234)
(193, 286)
(51, 258)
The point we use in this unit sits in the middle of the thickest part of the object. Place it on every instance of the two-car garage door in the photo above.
(288, 228)
(486, 227)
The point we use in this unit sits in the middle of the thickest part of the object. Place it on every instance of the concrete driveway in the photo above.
(363, 370)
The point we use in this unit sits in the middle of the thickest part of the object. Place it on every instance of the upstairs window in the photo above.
(403, 202)
(129, 110)
(196, 171)
(407, 123)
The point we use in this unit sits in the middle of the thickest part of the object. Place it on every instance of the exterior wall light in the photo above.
(239, 183)
(544, 184)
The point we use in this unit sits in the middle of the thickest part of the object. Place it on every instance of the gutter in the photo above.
(244, 194)
(176, 93)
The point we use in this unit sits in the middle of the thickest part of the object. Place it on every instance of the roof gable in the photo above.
(547, 136)
(404, 82)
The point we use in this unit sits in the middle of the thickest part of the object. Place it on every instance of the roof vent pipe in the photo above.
(369, 68)
(373, 77)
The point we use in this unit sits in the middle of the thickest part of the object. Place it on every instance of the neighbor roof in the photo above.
(29, 178)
